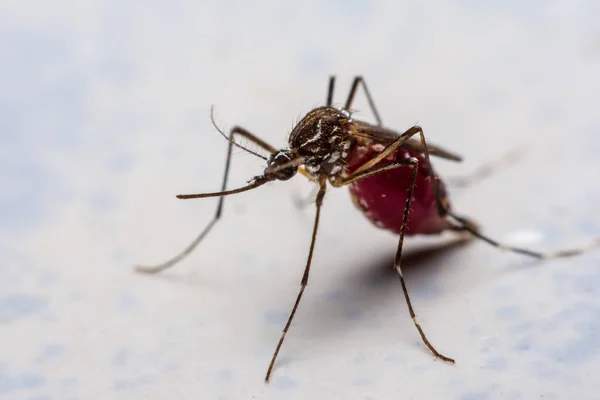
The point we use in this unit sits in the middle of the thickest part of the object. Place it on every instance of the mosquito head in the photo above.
(323, 139)
(282, 165)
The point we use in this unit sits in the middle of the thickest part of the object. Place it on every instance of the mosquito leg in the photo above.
(356, 176)
(486, 170)
(319, 202)
(414, 164)
(462, 223)
(330, 90)
(353, 89)
(398, 261)
(169, 263)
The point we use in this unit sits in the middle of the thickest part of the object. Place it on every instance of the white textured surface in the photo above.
(104, 118)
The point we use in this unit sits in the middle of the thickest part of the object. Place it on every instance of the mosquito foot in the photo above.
(146, 270)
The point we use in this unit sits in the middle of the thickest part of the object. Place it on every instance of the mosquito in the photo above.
(389, 175)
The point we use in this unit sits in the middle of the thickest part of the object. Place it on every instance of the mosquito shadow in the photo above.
(421, 261)
(374, 286)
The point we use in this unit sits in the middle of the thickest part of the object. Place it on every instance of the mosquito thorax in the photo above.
(323, 139)
(278, 165)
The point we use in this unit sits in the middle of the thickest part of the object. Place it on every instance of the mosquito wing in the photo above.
(385, 135)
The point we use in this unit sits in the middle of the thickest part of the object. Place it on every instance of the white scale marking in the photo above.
(364, 203)
(334, 157)
(317, 136)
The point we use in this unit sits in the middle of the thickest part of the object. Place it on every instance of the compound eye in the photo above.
(286, 173)
(275, 164)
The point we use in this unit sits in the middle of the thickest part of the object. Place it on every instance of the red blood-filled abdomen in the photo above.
(382, 197)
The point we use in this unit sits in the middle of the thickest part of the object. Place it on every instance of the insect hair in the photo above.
(230, 140)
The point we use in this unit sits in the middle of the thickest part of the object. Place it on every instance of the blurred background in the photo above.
(104, 118)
